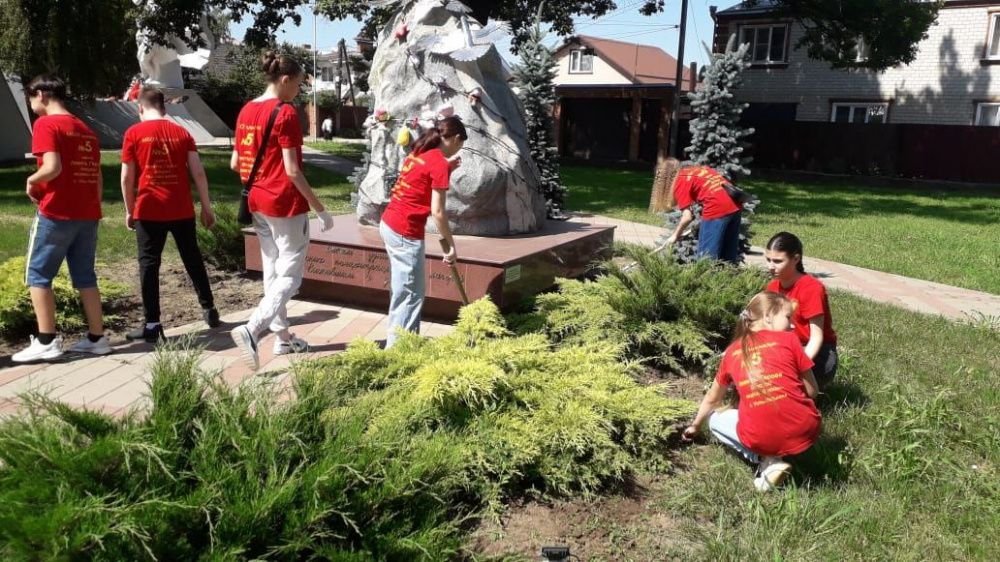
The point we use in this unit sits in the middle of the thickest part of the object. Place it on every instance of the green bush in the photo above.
(223, 244)
(654, 310)
(381, 455)
(17, 317)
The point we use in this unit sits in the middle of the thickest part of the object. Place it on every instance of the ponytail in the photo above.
(443, 129)
(761, 305)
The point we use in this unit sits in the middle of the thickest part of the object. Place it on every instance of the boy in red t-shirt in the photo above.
(67, 190)
(773, 378)
(157, 157)
(719, 231)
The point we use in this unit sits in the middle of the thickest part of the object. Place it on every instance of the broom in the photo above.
(445, 247)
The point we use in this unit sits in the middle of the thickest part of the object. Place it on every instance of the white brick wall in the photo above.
(939, 87)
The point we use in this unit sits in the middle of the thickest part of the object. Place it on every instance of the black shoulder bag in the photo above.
(244, 217)
(738, 196)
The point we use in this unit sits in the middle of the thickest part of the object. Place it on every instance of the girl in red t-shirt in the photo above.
(719, 232)
(420, 191)
(775, 384)
(279, 198)
(812, 320)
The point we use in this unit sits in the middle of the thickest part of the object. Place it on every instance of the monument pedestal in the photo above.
(349, 265)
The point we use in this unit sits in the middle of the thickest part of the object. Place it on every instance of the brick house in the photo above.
(614, 99)
(955, 79)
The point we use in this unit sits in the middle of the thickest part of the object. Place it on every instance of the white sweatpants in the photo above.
(283, 245)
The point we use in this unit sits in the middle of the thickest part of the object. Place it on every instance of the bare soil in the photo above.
(178, 303)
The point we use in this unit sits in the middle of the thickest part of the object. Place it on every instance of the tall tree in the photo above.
(535, 78)
(890, 30)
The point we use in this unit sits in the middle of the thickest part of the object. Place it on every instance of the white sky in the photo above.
(625, 24)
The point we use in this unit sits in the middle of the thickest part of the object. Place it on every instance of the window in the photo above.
(767, 42)
(993, 41)
(988, 114)
(860, 113)
(581, 61)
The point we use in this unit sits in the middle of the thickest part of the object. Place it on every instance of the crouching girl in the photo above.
(774, 380)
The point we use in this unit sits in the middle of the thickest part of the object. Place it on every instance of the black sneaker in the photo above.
(151, 335)
(211, 317)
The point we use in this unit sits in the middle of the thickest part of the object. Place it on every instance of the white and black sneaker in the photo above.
(38, 351)
(773, 472)
(293, 345)
(99, 347)
(244, 340)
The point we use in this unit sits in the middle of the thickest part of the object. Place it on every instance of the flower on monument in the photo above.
(404, 137)
(445, 110)
(401, 32)
(475, 96)
(381, 115)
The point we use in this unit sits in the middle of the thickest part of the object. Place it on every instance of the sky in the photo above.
(624, 24)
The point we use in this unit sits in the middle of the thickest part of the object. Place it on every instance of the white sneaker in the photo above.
(99, 347)
(248, 347)
(293, 345)
(773, 472)
(37, 351)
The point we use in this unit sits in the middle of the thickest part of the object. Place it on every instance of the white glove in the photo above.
(327, 220)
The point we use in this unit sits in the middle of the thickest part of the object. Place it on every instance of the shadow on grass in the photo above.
(821, 464)
(841, 393)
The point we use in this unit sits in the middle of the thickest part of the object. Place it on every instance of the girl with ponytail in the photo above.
(269, 148)
(773, 378)
(420, 191)
(812, 320)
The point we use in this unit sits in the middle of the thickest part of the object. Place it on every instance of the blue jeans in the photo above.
(720, 238)
(407, 281)
(53, 241)
(723, 427)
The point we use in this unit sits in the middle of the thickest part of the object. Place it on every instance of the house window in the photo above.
(988, 114)
(581, 61)
(993, 41)
(860, 113)
(767, 42)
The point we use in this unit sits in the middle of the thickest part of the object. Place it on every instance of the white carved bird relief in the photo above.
(468, 43)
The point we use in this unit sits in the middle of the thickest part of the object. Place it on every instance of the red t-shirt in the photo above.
(273, 194)
(159, 150)
(809, 297)
(701, 184)
(410, 200)
(75, 194)
(777, 417)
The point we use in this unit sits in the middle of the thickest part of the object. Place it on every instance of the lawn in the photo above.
(934, 232)
(116, 242)
(349, 150)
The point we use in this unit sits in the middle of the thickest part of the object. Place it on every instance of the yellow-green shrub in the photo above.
(17, 317)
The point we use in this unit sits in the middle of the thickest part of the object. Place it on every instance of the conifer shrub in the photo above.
(381, 455)
(223, 245)
(17, 317)
(655, 310)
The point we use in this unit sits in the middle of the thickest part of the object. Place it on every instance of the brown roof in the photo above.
(641, 64)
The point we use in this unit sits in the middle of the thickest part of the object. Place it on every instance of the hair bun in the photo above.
(269, 62)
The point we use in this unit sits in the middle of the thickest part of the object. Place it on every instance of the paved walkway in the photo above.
(117, 382)
(912, 294)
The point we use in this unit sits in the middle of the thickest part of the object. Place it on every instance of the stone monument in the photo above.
(436, 59)
(161, 65)
(16, 140)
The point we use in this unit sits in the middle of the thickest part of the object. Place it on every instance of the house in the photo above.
(955, 79)
(934, 118)
(614, 99)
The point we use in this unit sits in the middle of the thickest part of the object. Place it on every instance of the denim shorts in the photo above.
(52, 241)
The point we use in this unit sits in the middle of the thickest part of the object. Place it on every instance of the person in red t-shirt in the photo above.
(420, 191)
(812, 320)
(773, 378)
(280, 198)
(719, 232)
(157, 157)
(67, 190)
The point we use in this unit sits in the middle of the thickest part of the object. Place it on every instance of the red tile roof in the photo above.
(641, 64)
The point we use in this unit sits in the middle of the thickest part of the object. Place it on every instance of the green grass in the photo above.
(116, 242)
(348, 150)
(938, 233)
(907, 468)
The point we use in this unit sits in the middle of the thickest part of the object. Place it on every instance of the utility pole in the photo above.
(315, 84)
(675, 122)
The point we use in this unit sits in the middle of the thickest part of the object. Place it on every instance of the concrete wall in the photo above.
(603, 73)
(15, 140)
(941, 86)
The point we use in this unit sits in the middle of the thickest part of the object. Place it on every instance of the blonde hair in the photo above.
(762, 305)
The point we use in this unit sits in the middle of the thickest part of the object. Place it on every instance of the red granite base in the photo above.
(348, 264)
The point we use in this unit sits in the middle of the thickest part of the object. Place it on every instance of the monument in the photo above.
(437, 58)
(16, 139)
